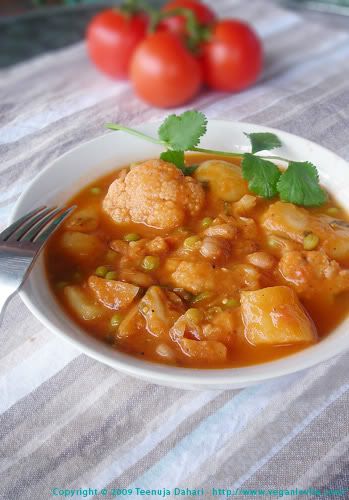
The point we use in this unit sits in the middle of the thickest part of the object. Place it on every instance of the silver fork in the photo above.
(20, 245)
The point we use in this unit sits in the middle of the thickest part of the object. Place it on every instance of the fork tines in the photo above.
(36, 226)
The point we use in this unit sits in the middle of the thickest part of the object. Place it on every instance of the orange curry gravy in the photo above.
(68, 267)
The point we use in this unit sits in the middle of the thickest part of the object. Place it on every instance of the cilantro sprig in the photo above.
(263, 141)
(183, 132)
(298, 184)
(262, 175)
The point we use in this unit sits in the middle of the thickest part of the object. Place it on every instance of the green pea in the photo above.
(310, 241)
(101, 271)
(333, 211)
(191, 242)
(214, 310)
(111, 275)
(95, 190)
(230, 303)
(132, 237)
(61, 284)
(273, 243)
(201, 296)
(110, 256)
(206, 222)
(150, 262)
(115, 320)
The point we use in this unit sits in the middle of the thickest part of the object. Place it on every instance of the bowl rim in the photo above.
(233, 377)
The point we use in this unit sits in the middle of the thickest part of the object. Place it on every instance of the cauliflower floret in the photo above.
(157, 246)
(313, 272)
(200, 276)
(155, 193)
(141, 248)
(195, 277)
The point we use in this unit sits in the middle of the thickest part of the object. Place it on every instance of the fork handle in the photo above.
(14, 268)
(6, 292)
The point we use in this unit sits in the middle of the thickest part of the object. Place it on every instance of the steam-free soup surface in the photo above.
(196, 271)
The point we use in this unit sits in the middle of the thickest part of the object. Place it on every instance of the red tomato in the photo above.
(177, 24)
(164, 73)
(112, 38)
(232, 59)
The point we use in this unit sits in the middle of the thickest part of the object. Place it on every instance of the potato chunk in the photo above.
(132, 324)
(274, 316)
(222, 327)
(160, 310)
(83, 245)
(210, 349)
(81, 304)
(288, 221)
(113, 294)
(204, 350)
(84, 220)
(224, 179)
(335, 236)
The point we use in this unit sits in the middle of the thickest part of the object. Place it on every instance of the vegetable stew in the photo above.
(197, 270)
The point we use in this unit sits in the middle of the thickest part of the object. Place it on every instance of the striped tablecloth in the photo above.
(69, 422)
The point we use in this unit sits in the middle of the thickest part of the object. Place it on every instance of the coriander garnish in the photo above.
(298, 184)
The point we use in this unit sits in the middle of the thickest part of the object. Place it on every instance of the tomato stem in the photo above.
(130, 7)
(196, 32)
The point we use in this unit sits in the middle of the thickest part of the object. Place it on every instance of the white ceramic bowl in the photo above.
(66, 175)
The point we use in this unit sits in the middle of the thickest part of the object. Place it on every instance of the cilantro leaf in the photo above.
(190, 169)
(263, 141)
(299, 184)
(177, 158)
(262, 175)
(183, 132)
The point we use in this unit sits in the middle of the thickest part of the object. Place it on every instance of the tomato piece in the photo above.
(177, 24)
(164, 73)
(233, 58)
(112, 37)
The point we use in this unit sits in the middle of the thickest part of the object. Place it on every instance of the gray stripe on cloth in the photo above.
(242, 459)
